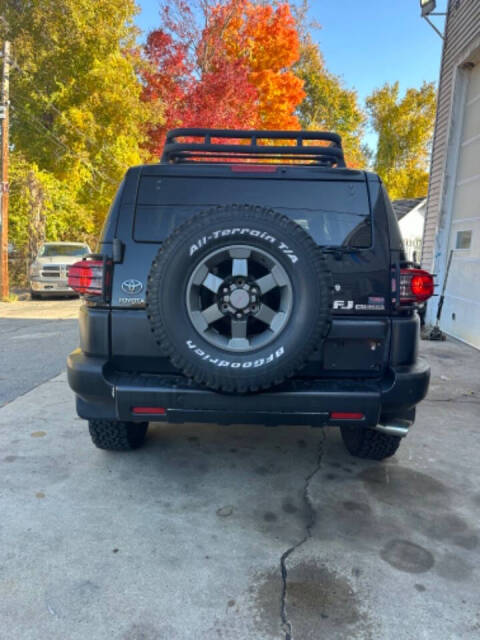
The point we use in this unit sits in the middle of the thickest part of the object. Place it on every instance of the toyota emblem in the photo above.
(132, 286)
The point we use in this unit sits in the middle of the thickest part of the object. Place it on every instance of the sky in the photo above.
(365, 42)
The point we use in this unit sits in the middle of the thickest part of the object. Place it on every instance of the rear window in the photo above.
(68, 250)
(335, 213)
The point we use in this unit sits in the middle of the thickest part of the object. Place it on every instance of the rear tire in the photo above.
(368, 443)
(117, 436)
(35, 296)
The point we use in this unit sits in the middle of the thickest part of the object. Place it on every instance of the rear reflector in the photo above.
(86, 277)
(156, 411)
(345, 415)
(416, 285)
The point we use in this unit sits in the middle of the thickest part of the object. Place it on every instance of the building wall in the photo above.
(461, 236)
(462, 39)
(411, 228)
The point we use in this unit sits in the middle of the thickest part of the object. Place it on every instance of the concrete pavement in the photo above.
(186, 538)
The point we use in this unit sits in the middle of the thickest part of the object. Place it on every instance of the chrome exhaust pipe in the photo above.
(395, 428)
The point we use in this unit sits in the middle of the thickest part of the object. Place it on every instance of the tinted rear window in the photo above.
(335, 213)
(70, 250)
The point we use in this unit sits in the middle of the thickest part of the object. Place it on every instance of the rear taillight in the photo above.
(416, 285)
(89, 277)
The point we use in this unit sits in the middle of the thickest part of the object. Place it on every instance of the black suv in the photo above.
(250, 278)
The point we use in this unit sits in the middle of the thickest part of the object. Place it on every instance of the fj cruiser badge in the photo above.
(345, 305)
(132, 286)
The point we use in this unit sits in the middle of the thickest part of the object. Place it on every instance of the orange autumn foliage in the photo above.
(235, 71)
(265, 39)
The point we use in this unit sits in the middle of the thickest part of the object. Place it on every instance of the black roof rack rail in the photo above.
(330, 155)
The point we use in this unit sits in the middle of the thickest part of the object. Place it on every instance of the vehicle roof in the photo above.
(219, 169)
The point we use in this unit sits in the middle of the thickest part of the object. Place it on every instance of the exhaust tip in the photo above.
(397, 428)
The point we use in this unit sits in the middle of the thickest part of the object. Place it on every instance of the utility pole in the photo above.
(4, 105)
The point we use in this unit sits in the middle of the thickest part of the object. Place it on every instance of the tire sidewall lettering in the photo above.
(235, 364)
(217, 234)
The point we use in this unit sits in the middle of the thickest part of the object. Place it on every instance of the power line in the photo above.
(48, 133)
(30, 121)
(127, 20)
(50, 105)
(63, 144)
(45, 130)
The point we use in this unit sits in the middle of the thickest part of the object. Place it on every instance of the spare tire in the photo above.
(238, 297)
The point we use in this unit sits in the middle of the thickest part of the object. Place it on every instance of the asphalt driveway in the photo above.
(242, 532)
(35, 338)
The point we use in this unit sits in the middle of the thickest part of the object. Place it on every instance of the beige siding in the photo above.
(462, 28)
(461, 317)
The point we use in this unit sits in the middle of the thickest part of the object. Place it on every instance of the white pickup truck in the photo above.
(49, 270)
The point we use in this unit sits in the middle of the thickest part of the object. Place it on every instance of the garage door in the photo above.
(461, 312)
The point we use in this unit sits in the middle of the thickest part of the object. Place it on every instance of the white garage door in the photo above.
(461, 311)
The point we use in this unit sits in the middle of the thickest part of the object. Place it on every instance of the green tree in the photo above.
(328, 105)
(42, 207)
(404, 126)
(77, 118)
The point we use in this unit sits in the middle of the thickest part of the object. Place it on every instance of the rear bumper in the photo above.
(104, 393)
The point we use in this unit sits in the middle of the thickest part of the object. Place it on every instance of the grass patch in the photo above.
(10, 298)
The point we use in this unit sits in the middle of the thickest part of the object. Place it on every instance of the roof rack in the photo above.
(204, 150)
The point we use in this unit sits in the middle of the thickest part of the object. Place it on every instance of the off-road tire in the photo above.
(117, 436)
(217, 230)
(368, 443)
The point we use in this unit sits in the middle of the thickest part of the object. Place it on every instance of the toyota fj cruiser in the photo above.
(250, 277)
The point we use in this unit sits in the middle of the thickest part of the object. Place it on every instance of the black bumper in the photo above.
(105, 393)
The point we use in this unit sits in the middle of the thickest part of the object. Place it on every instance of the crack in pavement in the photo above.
(311, 519)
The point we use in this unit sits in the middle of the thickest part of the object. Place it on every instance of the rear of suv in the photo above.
(251, 278)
